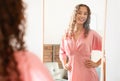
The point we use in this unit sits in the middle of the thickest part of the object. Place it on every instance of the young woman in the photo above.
(76, 46)
(16, 63)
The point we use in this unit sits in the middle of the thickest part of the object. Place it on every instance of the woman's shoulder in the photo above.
(67, 36)
(36, 68)
(21, 55)
(93, 32)
(28, 57)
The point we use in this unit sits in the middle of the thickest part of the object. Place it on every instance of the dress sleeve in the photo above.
(62, 53)
(97, 41)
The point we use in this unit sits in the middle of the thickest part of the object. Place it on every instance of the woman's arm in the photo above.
(92, 64)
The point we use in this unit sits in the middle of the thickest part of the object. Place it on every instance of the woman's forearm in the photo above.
(64, 62)
(98, 62)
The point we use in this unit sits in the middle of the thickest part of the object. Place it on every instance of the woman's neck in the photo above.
(78, 28)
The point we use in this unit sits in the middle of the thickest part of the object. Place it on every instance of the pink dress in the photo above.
(78, 52)
(31, 68)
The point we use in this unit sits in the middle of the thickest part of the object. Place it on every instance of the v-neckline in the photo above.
(76, 40)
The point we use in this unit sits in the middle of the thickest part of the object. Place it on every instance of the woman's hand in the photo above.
(67, 67)
(91, 64)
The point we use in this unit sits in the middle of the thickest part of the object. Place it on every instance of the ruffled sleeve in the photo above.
(97, 41)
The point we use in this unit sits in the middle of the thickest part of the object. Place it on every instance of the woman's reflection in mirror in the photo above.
(77, 44)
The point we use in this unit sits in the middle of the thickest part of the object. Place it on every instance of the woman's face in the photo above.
(81, 15)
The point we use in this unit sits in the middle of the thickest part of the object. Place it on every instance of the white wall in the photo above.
(58, 14)
(34, 30)
(113, 41)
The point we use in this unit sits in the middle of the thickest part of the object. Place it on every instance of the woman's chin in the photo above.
(80, 23)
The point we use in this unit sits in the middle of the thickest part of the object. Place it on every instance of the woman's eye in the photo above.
(78, 13)
(85, 13)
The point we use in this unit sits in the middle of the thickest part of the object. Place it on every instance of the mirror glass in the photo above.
(57, 15)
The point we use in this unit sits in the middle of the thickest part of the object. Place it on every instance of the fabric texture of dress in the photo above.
(31, 68)
(78, 52)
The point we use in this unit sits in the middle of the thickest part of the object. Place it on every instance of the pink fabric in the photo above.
(31, 68)
(78, 52)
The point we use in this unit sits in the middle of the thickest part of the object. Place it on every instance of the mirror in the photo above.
(57, 14)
